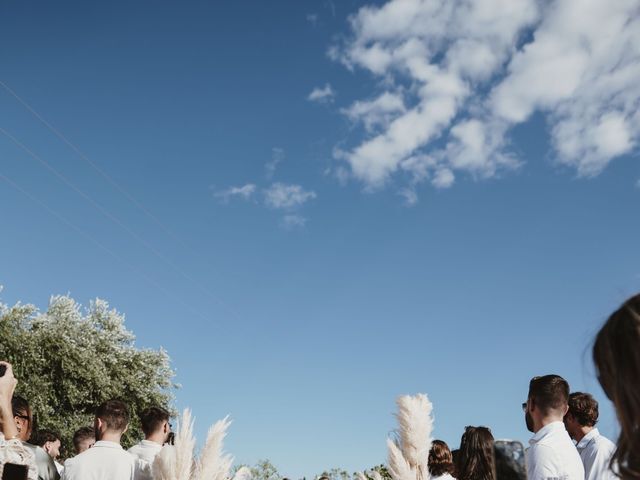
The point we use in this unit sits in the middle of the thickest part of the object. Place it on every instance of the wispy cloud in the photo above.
(244, 192)
(277, 157)
(456, 76)
(313, 18)
(287, 197)
(292, 221)
(325, 94)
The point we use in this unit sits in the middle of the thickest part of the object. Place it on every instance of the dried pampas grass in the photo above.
(243, 473)
(409, 457)
(213, 464)
(175, 462)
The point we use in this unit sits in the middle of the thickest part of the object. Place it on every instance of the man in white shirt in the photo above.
(50, 442)
(106, 460)
(551, 454)
(595, 450)
(156, 429)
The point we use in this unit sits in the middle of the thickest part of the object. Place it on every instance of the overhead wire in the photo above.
(102, 246)
(118, 222)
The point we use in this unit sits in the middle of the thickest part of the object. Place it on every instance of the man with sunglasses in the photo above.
(551, 454)
(23, 417)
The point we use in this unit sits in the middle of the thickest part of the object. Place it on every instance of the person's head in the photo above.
(23, 416)
(582, 415)
(476, 458)
(155, 424)
(50, 442)
(547, 401)
(112, 420)
(83, 439)
(440, 459)
(616, 355)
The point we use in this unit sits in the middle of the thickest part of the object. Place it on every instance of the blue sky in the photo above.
(339, 203)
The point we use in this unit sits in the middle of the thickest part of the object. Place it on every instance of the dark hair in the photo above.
(440, 459)
(584, 408)
(152, 419)
(20, 406)
(549, 392)
(45, 436)
(115, 414)
(82, 434)
(616, 355)
(476, 458)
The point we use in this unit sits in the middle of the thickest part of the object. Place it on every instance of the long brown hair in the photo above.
(475, 460)
(616, 355)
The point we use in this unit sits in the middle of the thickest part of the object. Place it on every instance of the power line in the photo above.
(93, 165)
(117, 221)
(79, 230)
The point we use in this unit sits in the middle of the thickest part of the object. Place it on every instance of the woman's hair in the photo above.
(616, 355)
(440, 459)
(476, 458)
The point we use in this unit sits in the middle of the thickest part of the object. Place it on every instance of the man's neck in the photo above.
(109, 436)
(539, 424)
(581, 433)
(157, 437)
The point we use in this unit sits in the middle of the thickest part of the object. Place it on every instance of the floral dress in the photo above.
(12, 451)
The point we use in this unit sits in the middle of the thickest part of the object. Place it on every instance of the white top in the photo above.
(552, 455)
(145, 452)
(596, 452)
(104, 461)
(446, 476)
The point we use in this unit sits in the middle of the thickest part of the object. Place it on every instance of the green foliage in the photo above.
(334, 474)
(68, 360)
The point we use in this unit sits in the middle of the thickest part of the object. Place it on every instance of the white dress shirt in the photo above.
(104, 461)
(552, 455)
(596, 452)
(145, 452)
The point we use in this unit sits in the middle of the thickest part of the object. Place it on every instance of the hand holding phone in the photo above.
(11, 471)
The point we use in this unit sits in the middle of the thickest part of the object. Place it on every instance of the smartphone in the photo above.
(510, 460)
(12, 471)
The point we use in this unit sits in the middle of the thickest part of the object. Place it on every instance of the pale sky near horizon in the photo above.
(316, 206)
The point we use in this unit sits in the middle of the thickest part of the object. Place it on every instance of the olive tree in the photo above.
(70, 359)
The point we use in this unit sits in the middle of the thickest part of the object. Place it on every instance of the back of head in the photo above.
(440, 459)
(476, 458)
(83, 438)
(152, 420)
(45, 436)
(550, 393)
(616, 354)
(584, 408)
(114, 414)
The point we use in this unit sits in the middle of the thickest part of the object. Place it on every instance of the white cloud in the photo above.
(277, 157)
(292, 221)
(322, 95)
(466, 78)
(410, 196)
(287, 197)
(245, 192)
(377, 112)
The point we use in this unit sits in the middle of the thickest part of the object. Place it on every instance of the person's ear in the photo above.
(566, 410)
(165, 428)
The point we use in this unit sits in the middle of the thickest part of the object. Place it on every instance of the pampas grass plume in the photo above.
(213, 464)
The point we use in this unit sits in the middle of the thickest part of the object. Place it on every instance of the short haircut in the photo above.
(440, 459)
(115, 414)
(550, 392)
(20, 406)
(584, 408)
(152, 419)
(82, 434)
(45, 436)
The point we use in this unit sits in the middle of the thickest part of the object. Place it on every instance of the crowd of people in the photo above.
(566, 445)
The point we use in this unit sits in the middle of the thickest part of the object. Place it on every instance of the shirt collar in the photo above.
(107, 444)
(587, 439)
(548, 429)
(150, 443)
